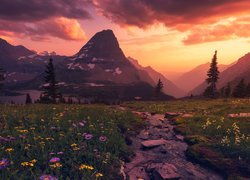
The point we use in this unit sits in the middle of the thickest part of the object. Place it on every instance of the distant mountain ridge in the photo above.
(100, 68)
(233, 74)
(169, 87)
(196, 76)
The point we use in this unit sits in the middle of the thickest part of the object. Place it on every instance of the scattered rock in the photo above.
(170, 115)
(153, 143)
(163, 171)
(239, 115)
(187, 115)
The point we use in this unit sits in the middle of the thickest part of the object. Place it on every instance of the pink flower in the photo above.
(81, 124)
(47, 177)
(103, 138)
(60, 152)
(4, 163)
(88, 136)
(54, 160)
(74, 124)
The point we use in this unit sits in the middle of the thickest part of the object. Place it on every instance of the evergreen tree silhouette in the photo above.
(240, 89)
(228, 90)
(28, 99)
(212, 78)
(50, 88)
(1, 78)
(158, 88)
(248, 90)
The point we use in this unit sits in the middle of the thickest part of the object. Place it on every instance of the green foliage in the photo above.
(34, 134)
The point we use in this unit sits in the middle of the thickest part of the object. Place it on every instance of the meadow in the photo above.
(215, 139)
(88, 141)
(63, 141)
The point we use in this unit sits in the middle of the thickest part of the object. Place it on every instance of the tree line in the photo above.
(240, 90)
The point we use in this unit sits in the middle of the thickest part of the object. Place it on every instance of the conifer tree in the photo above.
(1, 78)
(159, 87)
(212, 78)
(28, 99)
(50, 87)
(240, 89)
(228, 90)
(248, 90)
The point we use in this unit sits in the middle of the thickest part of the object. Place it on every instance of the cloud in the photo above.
(178, 14)
(36, 10)
(64, 28)
(43, 19)
(237, 28)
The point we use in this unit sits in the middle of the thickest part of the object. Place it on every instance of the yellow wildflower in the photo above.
(84, 166)
(99, 175)
(56, 165)
(9, 149)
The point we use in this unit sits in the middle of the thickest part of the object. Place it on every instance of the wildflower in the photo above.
(9, 150)
(56, 165)
(28, 164)
(47, 177)
(74, 124)
(81, 124)
(103, 138)
(4, 163)
(60, 152)
(22, 131)
(88, 136)
(99, 175)
(54, 160)
(73, 145)
(27, 146)
(84, 166)
(51, 153)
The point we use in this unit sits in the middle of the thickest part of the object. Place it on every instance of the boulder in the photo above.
(170, 115)
(163, 171)
(153, 143)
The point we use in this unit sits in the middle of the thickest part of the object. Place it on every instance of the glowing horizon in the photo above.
(170, 37)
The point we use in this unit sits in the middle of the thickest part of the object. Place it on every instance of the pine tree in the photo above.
(50, 94)
(212, 78)
(240, 90)
(159, 87)
(1, 78)
(222, 92)
(28, 99)
(248, 90)
(228, 90)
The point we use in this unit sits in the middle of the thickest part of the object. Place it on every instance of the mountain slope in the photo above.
(195, 77)
(239, 70)
(169, 87)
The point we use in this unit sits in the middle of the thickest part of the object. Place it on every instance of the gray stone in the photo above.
(163, 171)
(153, 143)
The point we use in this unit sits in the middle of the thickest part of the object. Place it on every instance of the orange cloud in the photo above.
(61, 27)
(238, 28)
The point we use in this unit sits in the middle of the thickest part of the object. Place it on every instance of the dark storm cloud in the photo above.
(32, 10)
(173, 13)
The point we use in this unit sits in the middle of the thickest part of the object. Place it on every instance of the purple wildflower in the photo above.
(60, 152)
(74, 124)
(47, 177)
(4, 163)
(54, 160)
(52, 153)
(103, 138)
(88, 136)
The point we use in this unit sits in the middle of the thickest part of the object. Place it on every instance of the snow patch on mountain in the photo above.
(91, 66)
(118, 71)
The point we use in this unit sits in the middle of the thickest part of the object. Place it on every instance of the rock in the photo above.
(239, 115)
(138, 173)
(170, 115)
(187, 115)
(179, 137)
(153, 143)
(144, 135)
(163, 171)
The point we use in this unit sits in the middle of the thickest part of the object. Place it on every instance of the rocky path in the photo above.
(160, 154)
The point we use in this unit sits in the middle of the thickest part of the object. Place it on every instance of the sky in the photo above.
(169, 35)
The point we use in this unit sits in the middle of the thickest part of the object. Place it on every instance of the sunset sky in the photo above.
(169, 35)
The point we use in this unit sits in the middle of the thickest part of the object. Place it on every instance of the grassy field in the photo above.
(63, 141)
(215, 139)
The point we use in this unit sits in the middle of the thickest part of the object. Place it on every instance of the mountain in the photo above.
(20, 63)
(98, 69)
(196, 76)
(169, 87)
(233, 74)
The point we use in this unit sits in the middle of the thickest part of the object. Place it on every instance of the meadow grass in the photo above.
(63, 141)
(215, 139)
